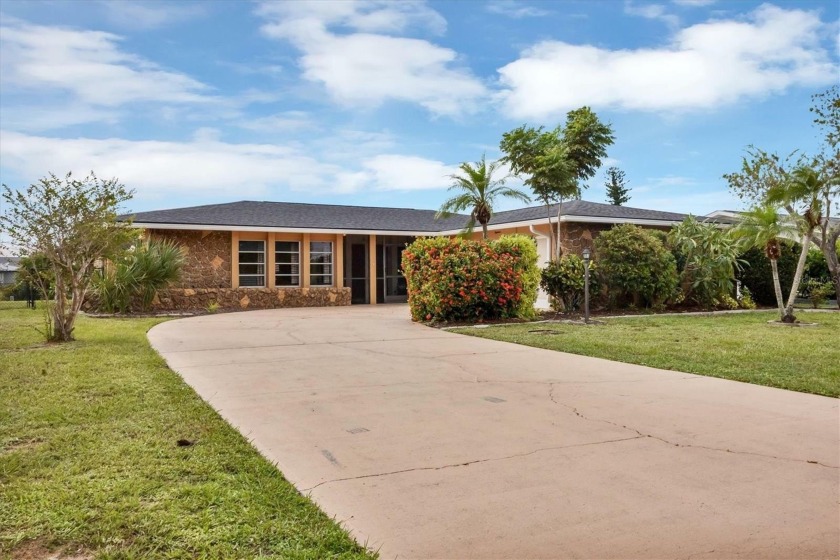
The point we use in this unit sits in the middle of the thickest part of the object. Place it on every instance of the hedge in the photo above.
(463, 280)
(757, 275)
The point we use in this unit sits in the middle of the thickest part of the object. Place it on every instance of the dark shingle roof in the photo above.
(584, 208)
(330, 216)
(302, 216)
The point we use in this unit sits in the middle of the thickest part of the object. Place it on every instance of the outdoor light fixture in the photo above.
(587, 255)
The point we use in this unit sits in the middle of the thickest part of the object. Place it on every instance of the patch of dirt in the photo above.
(20, 444)
(35, 550)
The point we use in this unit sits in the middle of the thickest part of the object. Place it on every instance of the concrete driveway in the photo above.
(428, 444)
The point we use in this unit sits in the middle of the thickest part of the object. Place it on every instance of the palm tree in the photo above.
(478, 193)
(804, 187)
(763, 227)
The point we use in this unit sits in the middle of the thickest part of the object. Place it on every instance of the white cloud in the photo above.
(651, 11)
(514, 9)
(287, 121)
(367, 67)
(393, 172)
(694, 3)
(704, 66)
(207, 166)
(90, 66)
(147, 15)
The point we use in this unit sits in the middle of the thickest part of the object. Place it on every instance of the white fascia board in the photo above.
(201, 227)
(508, 225)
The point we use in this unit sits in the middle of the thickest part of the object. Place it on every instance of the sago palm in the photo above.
(764, 227)
(477, 192)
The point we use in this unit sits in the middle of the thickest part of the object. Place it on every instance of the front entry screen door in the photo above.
(395, 286)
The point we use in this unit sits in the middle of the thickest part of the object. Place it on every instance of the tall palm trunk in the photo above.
(780, 301)
(787, 316)
(484, 230)
(559, 209)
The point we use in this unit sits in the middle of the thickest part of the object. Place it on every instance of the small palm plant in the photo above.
(478, 193)
(764, 227)
(138, 276)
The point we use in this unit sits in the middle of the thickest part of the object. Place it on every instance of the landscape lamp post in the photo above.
(587, 254)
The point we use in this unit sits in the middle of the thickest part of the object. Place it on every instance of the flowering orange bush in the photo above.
(462, 280)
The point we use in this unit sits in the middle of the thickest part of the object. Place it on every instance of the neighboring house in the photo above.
(8, 270)
(275, 254)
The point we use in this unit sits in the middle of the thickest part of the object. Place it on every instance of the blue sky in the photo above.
(375, 103)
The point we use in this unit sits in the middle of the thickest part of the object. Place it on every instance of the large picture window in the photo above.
(287, 263)
(252, 264)
(321, 263)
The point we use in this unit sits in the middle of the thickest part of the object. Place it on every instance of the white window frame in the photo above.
(277, 264)
(240, 263)
(331, 264)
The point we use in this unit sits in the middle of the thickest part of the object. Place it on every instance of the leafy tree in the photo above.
(763, 172)
(616, 187)
(764, 227)
(711, 260)
(72, 223)
(826, 109)
(555, 163)
(478, 193)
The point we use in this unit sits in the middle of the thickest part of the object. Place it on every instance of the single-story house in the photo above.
(253, 254)
(8, 270)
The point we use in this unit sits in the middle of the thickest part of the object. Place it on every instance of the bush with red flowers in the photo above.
(463, 280)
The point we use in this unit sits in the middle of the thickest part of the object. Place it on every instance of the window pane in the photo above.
(252, 257)
(251, 281)
(320, 247)
(320, 258)
(291, 269)
(286, 246)
(320, 269)
(252, 246)
(287, 258)
(251, 269)
(287, 281)
(321, 280)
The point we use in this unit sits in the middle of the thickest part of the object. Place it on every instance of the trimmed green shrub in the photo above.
(564, 279)
(635, 266)
(464, 280)
(817, 291)
(757, 275)
(524, 250)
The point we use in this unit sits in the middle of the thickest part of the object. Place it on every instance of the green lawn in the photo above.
(742, 347)
(88, 458)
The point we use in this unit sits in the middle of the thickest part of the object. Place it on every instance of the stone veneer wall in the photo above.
(207, 257)
(575, 236)
(196, 299)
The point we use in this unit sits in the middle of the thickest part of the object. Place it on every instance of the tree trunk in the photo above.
(828, 249)
(559, 209)
(788, 316)
(780, 300)
(550, 232)
(484, 230)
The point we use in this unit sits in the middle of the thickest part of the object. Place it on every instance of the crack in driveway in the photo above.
(473, 462)
(675, 444)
